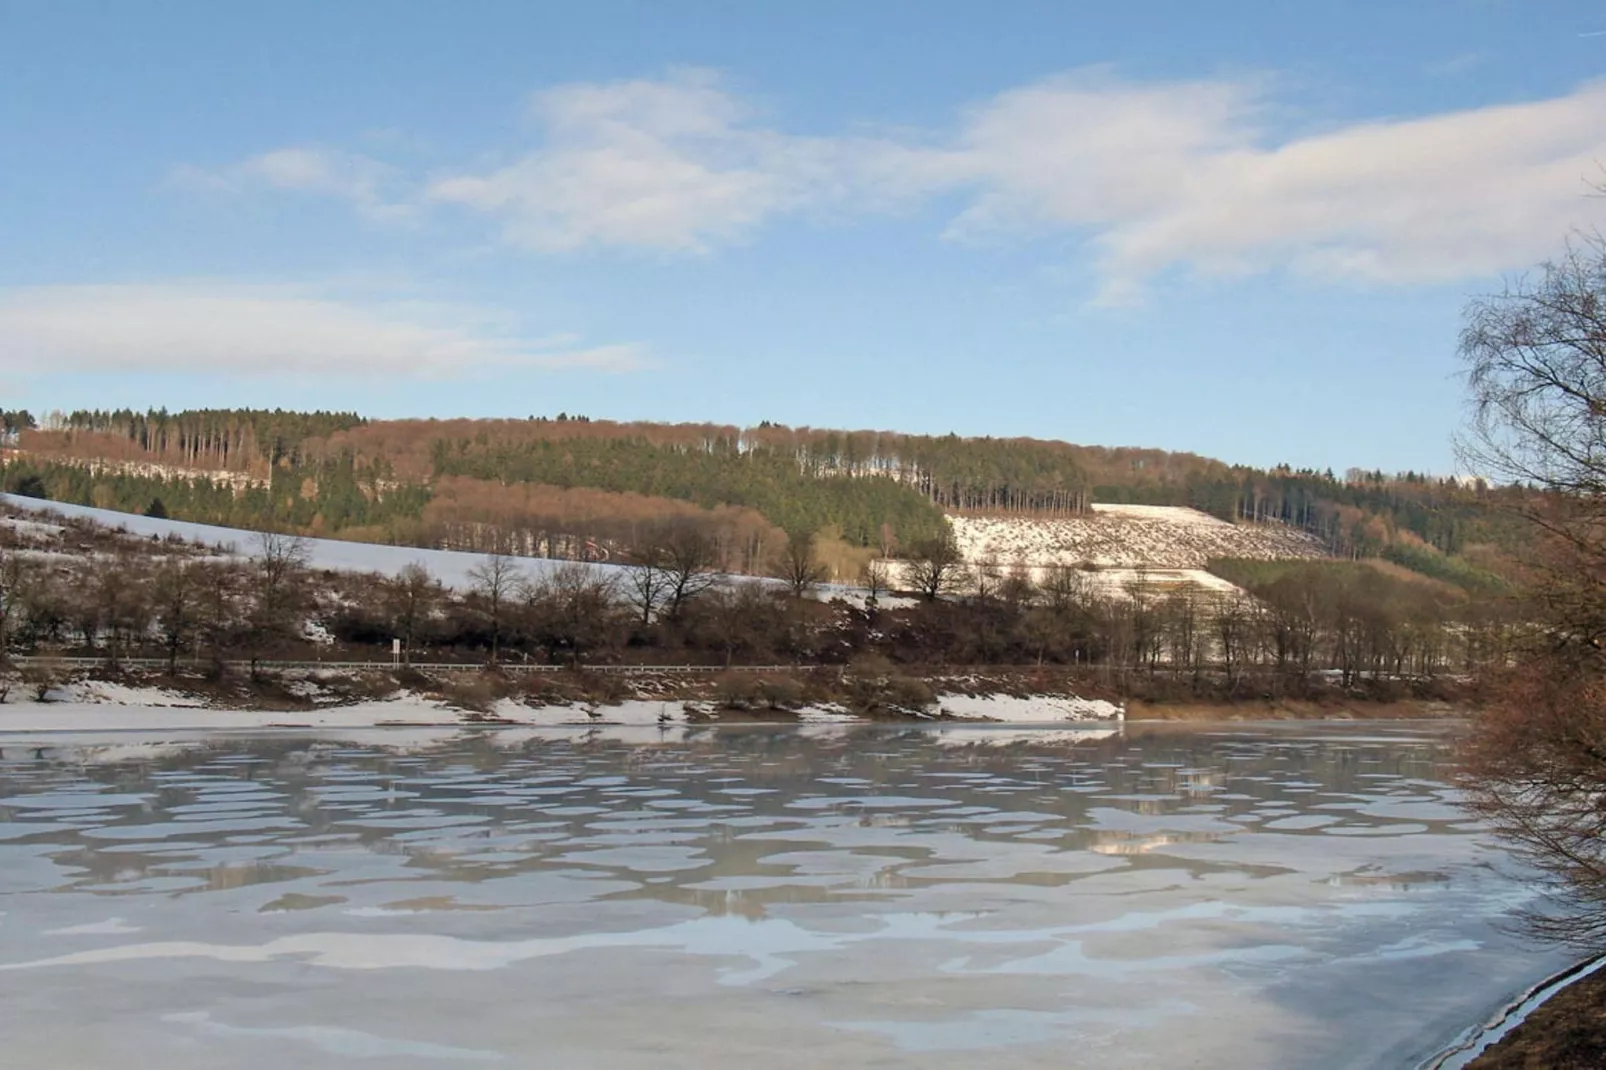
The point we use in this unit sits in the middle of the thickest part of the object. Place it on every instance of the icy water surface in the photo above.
(1303, 896)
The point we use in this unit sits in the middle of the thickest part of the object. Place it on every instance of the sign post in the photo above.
(395, 653)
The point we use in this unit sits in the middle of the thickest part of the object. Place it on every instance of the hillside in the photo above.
(87, 589)
(571, 487)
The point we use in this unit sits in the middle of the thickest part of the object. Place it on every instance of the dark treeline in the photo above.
(245, 440)
(13, 422)
(326, 497)
(1311, 627)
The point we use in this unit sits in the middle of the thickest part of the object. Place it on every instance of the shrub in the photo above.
(876, 689)
(476, 691)
(734, 691)
(779, 694)
(411, 679)
(41, 678)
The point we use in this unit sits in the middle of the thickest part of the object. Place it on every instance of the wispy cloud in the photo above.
(271, 331)
(1152, 176)
(374, 188)
(1454, 65)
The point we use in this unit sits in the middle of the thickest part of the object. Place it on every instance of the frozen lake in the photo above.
(1201, 896)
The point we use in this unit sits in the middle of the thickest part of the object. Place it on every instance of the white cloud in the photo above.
(260, 331)
(673, 165)
(1182, 176)
(1153, 176)
(372, 187)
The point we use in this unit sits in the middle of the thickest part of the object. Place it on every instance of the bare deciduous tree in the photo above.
(876, 576)
(279, 594)
(410, 597)
(219, 589)
(647, 584)
(737, 618)
(935, 567)
(494, 580)
(688, 558)
(11, 596)
(1535, 360)
(176, 600)
(122, 601)
(572, 611)
(1536, 761)
(800, 566)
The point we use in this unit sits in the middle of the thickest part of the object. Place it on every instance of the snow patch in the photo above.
(1038, 709)
(105, 692)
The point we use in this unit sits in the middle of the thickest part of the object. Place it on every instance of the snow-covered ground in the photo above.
(451, 567)
(418, 711)
(1117, 582)
(1126, 537)
(101, 706)
(403, 710)
(1037, 709)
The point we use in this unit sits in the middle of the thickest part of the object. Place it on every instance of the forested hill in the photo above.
(579, 481)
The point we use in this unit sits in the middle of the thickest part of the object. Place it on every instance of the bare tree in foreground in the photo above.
(1535, 764)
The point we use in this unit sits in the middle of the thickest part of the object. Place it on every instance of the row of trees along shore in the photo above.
(1306, 627)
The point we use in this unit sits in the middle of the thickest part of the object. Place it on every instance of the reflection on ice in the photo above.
(332, 1041)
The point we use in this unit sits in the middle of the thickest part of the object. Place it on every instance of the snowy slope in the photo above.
(451, 567)
(1127, 537)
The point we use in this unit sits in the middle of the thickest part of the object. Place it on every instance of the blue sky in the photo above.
(1242, 229)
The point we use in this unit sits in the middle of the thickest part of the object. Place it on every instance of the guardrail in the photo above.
(386, 666)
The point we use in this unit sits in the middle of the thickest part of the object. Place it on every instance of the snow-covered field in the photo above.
(1121, 582)
(451, 567)
(1159, 537)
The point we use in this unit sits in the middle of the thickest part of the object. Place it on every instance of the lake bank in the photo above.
(352, 697)
(1564, 1030)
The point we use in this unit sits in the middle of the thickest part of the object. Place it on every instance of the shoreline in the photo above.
(1556, 1024)
(101, 699)
(406, 698)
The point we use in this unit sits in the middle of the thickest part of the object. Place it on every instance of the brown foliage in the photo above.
(1535, 769)
(582, 524)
